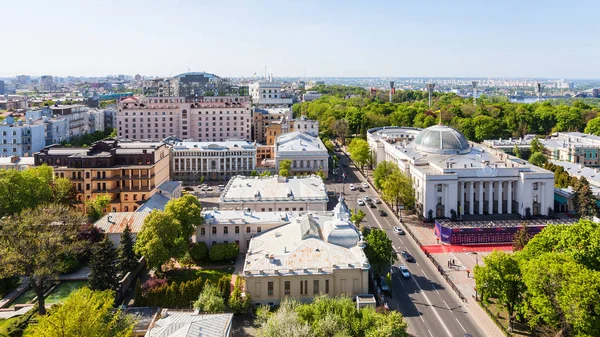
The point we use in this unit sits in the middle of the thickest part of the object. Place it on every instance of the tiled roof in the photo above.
(115, 222)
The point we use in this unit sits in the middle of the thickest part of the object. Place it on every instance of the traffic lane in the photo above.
(405, 304)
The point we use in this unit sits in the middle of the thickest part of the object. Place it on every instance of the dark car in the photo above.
(382, 213)
(372, 205)
(360, 189)
(345, 165)
(339, 180)
(406, 256)
(188, 188)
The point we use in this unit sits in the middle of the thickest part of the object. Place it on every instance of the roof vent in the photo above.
(291, 271)
(305, 271)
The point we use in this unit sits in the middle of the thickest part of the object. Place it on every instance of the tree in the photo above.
(127, 260)
(593, 126)
(517, 152)
(538, 159)
(199, 252)
(501, 278)
(521, 238)
(536, 146)
(237, 303)
(382, 170)
(85, 313)
(253, 173)
(64, 192)
(340, 129)
(283, 322)
(357, 217)
(97, 205)
(160, 239)
(224, 286)
(360, 152)
(379, 249)
(24, 189)
(397, 189)
(210, 300)
(329, 146)
(321, 174)
(32, 243)
(265, 174)
(584, 200)
(103, 266)
(285, 168)
(188, 211)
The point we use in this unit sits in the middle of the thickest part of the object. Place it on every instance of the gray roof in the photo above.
(157, 201)
(309, 227)
(169, 186)
(274, 188)
(189, 324)
(441, 139)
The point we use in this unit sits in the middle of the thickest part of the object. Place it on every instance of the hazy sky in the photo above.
(460, 38)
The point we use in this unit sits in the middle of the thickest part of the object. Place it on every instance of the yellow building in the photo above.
(129, 172)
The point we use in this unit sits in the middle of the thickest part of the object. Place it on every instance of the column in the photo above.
(471, 199)
(461, 196)
(185, 164)
(480, 189)
(500, 197)
(509, 197)
(490, 197)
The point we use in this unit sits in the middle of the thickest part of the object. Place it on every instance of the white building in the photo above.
(174, 323)
(212, 160)
(269, 94)
(96, 121)
(16, 163)
(311, 96)
(275, 194)
(317, 253)
(21, 139)
(307, 153)
(305, 125)
(213, 119)
(451, 175)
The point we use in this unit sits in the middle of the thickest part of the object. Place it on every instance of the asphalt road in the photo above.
(429, 305)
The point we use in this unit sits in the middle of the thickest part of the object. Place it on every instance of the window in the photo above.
(270, 288)
(225, 230)
(286, 288)
(327, 286)
(535, 186)
(237, 229)
(315, 287)
(202, 231)
(258, 229)
(439, 200)
(439, 187)
(214, 230)
(301, 287)
(247, 229)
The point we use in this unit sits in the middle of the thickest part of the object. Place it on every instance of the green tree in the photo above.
(64, 192)
(283, 322)
(536, 146)
(33, 242)
(501, 278)
(517, 152)
(187, 210)
(382, 170)
(593, 126)
(379, 249)
(127, 260)
(237, 303)
(584, 200)
(329, 145)
(24, 189)
(96, 206)
(397, 189)
(360, 152)
(538, 159)
(357, 217)
(85, 313)
(321, 174)
(103, 266)
(210, 300)
(266, 173)
(340, 129)
(253, 173)
(285, 168)
(199, 252)
(224, 286)
(160, 239)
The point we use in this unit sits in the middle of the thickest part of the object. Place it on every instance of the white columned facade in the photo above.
(490, 197)
(500, 197)
(480, 189)
(471, 199)
(461, 195)
(509, 197)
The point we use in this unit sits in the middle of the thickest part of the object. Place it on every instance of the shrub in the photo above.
(152, 283)
(224, 286)
(199, 252)
(173, 295)
(16, 326)
(224, 251)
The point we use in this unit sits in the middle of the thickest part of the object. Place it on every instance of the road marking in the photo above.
(430, 334)
(447, 306)
(433, 308)
(417, 264)
(460, 324)
(424, 274)
(374, 217)
(434, 288)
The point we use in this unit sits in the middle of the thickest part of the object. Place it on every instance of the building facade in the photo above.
(21, 139)
(453, 178)
(269, 94)
(316, 253)
(307, 153)
(129, 172)
(212, 160)
(274, 194)
(213, 119)
(265, 117)
(305, 125)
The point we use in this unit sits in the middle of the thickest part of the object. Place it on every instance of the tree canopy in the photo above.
(188, 211)
(285, 168)
(360, 152)
(379, 250)
(160, 239)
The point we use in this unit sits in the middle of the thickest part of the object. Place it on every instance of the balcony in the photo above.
(137, 189)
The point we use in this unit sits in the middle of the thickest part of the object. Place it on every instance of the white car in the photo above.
(360, 202)
(352, 187)
(398, 230)
(404, 271)
(365, 185)
(366, 197)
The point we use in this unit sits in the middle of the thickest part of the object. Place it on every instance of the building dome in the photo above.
(441, 139)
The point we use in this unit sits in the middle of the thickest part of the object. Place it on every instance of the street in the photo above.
(429, 305)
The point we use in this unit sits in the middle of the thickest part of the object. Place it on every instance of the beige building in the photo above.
(307, 153)
(129, 172)
(317, 253)
(263, 118)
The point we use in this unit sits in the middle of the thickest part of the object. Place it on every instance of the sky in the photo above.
(325, 38)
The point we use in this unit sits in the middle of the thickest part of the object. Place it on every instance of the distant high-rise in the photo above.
(46, 83)
(193, 86)
(1, 87)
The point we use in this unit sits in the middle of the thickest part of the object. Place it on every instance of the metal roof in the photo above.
(115, 222)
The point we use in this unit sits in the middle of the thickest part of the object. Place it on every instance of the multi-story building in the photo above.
(21, 138)
(158, 88)
(13, 102)
(96, 121)
(16, 163)
(263, 118)
(77, 117)
(275, 194)
(213, 119)
(307, 153)
(305, 125)
(46, 83)
(193, 86)
(316, 253)
(212, 160)
(269, 94)
(311, 96)
(129, 172)
(453, 178)
(1, 87)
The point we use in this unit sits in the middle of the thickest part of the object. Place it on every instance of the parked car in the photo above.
(360, 202)
(188, 188)
(209, 188)
(365, 185)
(372, 205)
(221, 187)
(404, 271)
(407, 257)
(360, 189)
(352, 187)
(383, 284)
(367, 199)
(201, 186)
(382, 213)
(377, 201)
(345, 165)
(339, 180)
(398, 230)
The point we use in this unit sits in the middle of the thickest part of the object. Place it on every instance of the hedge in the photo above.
(168, 295)
(224, 251)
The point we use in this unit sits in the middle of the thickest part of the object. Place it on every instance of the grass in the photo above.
(63, 290)
(24, 298)
(519, 330)
(213, 275)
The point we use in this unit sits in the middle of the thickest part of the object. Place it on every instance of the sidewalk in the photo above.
(15, 293)
(464, 259)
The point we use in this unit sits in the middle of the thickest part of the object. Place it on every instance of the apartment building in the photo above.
(307, 153)
(20, 138)
(129, 172)
(211, 119)
(269, 94)
(305, 125)
(277, 118)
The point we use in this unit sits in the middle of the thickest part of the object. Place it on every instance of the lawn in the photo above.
(213, 275)
(519, 330)
(63, 290)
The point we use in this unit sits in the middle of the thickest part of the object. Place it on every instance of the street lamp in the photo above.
(430, 87)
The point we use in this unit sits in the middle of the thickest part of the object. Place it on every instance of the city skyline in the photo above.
(536, 39)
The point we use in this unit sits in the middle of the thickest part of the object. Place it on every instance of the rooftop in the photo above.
(441, 139)
(115, 222)
(241, 217)
(174, 323)
(273, 111)
(215, 146)
(157, 201)
(276, 188)
(299, 141)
